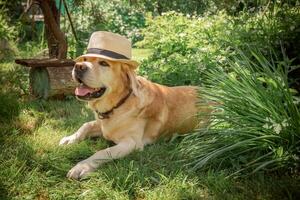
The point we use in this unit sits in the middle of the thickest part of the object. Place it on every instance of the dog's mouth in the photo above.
(86, 93)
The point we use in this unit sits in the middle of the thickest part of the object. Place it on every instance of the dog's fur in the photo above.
(151, 111)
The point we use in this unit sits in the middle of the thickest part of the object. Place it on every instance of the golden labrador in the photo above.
(148, 110)
(130, 110)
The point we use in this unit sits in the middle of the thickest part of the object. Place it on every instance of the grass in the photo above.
(33, 166)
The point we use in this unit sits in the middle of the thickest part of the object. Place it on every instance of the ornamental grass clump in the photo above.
(256, 122)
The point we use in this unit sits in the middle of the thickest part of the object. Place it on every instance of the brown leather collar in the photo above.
(106, 114)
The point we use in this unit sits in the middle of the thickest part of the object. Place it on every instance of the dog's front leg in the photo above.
(120, 150)
(88, 129)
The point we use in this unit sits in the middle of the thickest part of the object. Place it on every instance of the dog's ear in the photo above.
(134, 83)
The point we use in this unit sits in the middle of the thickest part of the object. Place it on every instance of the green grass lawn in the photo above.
(33, 166)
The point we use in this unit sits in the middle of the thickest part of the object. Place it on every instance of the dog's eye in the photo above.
(103, 63)
(84, 59)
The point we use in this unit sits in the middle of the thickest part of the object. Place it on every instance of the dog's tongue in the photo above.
(83, 90)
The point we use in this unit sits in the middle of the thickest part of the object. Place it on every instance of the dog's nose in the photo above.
(80, 67)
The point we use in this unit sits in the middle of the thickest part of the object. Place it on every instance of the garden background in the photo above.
(245, 55)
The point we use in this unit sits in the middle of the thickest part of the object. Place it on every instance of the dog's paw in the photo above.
(80, 170)
(68, 140)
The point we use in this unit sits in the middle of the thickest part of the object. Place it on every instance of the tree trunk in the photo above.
(57, 42)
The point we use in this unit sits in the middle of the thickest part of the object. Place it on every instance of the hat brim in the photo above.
(132, 63)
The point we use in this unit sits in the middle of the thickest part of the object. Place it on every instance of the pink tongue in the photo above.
(82, 91)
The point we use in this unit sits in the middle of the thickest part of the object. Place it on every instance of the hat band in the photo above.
(107, 53)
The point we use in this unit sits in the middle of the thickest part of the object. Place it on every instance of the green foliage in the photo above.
(275, 28)
(256, 123)
(34, 167)
(233, 7)
(185, 46)
(121, 18)
(12, 8)
(7, 31)
(158, 7)
(104, 15)
(196, 7)
(256, 126)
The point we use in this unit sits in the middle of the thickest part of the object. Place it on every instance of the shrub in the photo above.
(7, 32)
(185, 46)
(256, 125)
(161, 6)
(123, 19)
(232, 7)
(191, 45)
(115, 16)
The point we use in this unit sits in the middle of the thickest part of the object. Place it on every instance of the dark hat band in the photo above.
(107, 53)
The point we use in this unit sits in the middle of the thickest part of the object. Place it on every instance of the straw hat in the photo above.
(110, 46)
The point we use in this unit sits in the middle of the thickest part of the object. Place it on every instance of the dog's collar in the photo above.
(106, 114)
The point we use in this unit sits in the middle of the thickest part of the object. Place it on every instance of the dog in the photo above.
(130, 110)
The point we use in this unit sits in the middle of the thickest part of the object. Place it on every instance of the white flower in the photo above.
(277, 128)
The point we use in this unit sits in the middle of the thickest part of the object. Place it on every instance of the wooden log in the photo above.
(50, 82)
